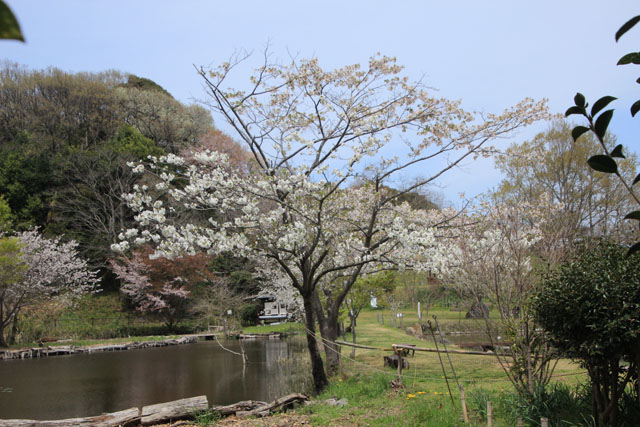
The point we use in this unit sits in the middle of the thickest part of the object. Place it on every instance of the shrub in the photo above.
(590, 308)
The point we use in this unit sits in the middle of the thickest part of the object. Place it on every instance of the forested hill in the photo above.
(65, 140)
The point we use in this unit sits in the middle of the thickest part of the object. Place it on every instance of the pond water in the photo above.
(90, 384)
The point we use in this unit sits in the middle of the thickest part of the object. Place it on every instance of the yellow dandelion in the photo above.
(421, 392)
(410, 396)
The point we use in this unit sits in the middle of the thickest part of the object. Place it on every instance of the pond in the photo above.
(90, 384)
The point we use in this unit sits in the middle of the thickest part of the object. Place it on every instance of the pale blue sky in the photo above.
(490, 54)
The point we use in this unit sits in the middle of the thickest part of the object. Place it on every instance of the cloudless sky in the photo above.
(490, 54)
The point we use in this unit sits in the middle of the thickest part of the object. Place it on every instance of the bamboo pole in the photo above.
(464, 404)
(444, 372)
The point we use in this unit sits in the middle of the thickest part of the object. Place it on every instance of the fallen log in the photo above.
(128, 417)
(277, 405)
(173, 411)
(183, 409)
(245, 405)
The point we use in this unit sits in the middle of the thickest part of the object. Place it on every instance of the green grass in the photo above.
(424, 400)
(93, 318)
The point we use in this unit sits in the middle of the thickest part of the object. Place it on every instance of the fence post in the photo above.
(382, 317)
(464, 405)
(519, 424)
(489, 414)
(544, 422)
(398, 352)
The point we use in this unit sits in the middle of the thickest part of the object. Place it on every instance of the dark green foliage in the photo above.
(617, 152)
(243, 281)
(598, 124)
(143, 83)
(634, 108)
(25, 180)
(601, 103)
(416, 199)
(559, 403)
(130, 142)
(590, 308)
(9, 27)
(249, 313)
(627, 26)
(603, 163)
(237, 270)
(591, 305)
(87, 204)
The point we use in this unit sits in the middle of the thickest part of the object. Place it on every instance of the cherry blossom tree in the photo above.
(327, 146)
(161, 286)
(42, 268)
(502, 254)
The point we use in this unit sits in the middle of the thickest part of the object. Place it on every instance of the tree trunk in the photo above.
(329, 330)
(320, 380)
(3, 342)
(14, 329)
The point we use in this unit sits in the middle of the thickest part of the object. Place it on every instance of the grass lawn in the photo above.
(424, 400)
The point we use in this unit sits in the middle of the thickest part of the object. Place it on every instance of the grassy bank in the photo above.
(425, 400)
(92, 319)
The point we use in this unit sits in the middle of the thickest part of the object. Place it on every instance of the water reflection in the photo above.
(90, 384)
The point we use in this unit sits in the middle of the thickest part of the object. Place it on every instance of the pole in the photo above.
(444, 372)
(464, 404)
(455, 376)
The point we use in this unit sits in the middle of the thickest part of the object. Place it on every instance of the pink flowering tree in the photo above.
(327, 145)
(160, 286)
(44, 269)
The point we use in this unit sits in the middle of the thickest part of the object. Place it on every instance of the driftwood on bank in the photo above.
(128, 417)
(168, 412)
(245, 405)
(277, 405)
(173, 411)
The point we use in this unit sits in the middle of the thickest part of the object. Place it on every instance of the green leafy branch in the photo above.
(599, 120)
(9, 27)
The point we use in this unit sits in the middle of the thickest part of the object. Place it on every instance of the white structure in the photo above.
(274, 310)
(374, 302)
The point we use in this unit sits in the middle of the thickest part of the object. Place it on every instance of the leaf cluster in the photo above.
(598, 122)
(9, 26)
(590, 306)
